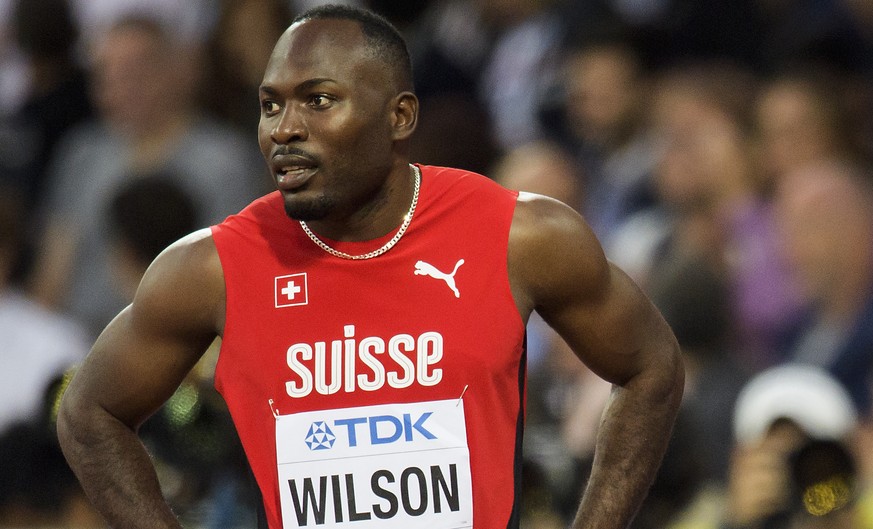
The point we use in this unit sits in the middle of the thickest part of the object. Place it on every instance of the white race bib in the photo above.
(403, 466)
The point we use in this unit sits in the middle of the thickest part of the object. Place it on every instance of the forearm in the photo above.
(115, 470)
(631, 442)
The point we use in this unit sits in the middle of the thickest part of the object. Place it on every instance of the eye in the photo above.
(320, 101)
(269, 107)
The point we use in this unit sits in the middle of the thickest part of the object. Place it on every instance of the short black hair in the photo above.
(49, 37)
(382, 37)
(151, 212)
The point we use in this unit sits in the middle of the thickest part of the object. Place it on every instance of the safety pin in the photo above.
(462, 395)
(274, 410)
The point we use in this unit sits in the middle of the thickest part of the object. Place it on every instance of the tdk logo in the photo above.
(320, 436)
(375, 430)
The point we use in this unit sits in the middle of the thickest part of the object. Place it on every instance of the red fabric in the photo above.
(460, 215)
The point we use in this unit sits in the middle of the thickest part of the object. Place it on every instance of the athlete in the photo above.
(372, 315)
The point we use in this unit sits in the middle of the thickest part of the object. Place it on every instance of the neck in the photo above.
(381, 215)
(407, 219)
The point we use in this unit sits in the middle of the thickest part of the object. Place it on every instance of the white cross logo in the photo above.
(291, 290)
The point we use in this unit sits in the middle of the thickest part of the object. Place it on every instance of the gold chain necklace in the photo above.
(388, 245)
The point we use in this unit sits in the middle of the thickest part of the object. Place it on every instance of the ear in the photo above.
(404, 115)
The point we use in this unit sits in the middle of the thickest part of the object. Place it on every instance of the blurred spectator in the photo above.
(449, 47)
(521, 65)
(825, 484)
(805, 117)
(57, 96)
(145, 216)
(695, 300)
(602, 120)
(713, 206)
(778, 412)
(203, 469)
(37, 488)
(540, 167)
(144, 85)
(500, 53)
(188, 20)
(36, 345)
(826, 217)
(238, 50)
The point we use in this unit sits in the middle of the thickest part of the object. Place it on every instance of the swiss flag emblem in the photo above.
(291, 290)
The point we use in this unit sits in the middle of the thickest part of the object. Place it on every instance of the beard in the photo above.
(308, 210)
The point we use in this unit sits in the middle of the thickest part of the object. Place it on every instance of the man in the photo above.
(162, 132)
(375, 373)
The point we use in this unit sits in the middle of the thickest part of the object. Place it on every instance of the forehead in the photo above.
(323, 48)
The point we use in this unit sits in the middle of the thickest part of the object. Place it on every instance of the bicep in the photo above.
(148, 349)
(614, 329)
(560, 271)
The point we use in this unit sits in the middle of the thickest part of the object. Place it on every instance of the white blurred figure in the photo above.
(36, 345)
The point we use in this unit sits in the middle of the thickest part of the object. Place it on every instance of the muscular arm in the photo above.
(558, 269)
(135, 365)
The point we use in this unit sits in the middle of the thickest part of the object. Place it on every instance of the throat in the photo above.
(367, 229)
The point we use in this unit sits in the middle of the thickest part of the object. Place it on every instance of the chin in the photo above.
(306, 210)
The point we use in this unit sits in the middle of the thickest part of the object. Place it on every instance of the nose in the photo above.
(290, 127)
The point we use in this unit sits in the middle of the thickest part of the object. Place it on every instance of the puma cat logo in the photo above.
(427, 269)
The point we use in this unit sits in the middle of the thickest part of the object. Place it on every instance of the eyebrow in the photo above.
(305, 85)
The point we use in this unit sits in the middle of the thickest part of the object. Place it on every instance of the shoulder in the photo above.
(465, 192)
(184, 287)
(552, 253)
(458, 178)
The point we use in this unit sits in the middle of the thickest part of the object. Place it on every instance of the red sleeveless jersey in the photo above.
(386, 392)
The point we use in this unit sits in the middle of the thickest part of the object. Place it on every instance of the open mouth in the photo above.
(293, 170)
(292, 177)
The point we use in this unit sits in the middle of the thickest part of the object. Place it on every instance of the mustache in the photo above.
(285, 150)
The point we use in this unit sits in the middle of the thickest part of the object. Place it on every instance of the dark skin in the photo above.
(339, 118)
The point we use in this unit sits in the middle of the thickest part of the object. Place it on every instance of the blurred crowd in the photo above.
(721, 151)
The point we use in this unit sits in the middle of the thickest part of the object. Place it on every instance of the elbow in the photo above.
(676, 374)
(69, 427)
(662, 378)
(668, 378)
(79, 425)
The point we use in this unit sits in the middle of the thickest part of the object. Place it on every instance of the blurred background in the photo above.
(722, 152)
